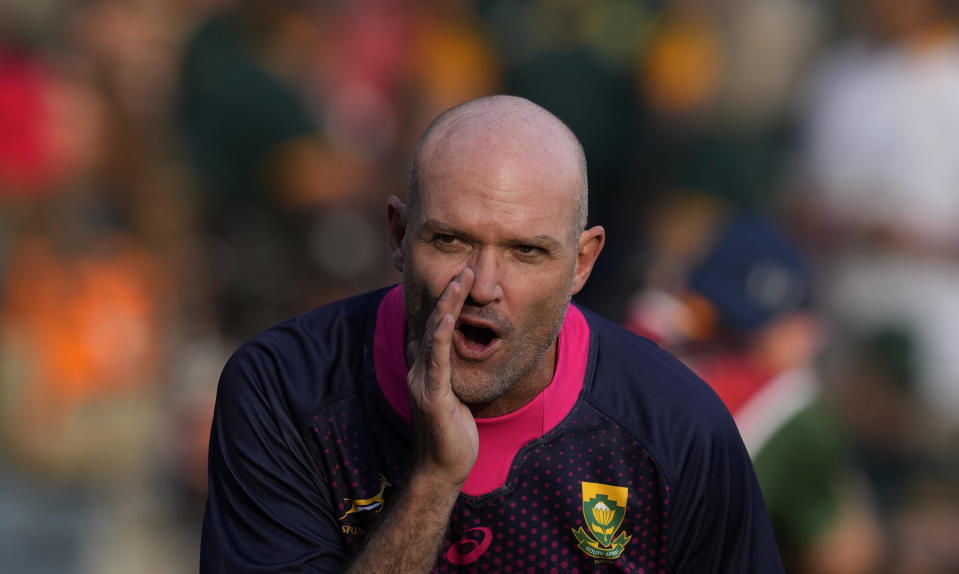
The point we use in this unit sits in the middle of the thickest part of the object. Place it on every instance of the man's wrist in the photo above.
(411, 534)
(425, 482)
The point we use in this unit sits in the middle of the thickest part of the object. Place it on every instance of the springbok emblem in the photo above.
(375, 503)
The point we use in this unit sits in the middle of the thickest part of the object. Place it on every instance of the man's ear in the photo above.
(396, 226)
(591, 243)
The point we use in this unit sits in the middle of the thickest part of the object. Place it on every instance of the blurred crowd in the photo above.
(779, 180)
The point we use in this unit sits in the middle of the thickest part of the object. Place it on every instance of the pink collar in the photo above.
(500, 437)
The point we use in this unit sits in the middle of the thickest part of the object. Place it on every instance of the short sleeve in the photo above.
(717, 520)
(268, 510)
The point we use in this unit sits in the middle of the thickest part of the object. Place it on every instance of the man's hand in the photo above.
(447, 442)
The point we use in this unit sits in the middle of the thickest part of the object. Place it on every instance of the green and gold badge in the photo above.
(604, 507)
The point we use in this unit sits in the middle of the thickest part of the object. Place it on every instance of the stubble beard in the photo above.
(524, 350)
(524, 353)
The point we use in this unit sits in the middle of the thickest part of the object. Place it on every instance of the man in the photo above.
(473, 417)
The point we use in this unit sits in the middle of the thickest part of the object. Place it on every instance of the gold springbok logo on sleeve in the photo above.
(374, 503)
(604, 508)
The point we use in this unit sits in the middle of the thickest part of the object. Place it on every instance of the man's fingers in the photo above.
(452, 299)
(432, 354)
(450, 302)
(447, 310)
(464, 279)
(438, 380)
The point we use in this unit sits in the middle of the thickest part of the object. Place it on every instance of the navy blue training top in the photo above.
(647, 473)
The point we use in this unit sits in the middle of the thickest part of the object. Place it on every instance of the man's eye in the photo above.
(529, 251)
(446, 242)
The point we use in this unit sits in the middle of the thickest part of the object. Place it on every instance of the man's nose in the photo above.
(487, 287)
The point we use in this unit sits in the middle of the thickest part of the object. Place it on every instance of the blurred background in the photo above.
(779, 180)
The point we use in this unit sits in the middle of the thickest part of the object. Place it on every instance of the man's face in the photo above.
(508, 213)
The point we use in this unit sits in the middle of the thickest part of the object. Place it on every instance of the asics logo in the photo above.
(469, 550)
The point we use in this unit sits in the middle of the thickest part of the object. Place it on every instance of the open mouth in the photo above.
(476, 334)
(474, 340)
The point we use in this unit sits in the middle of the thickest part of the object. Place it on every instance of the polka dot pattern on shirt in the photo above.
(528, 524)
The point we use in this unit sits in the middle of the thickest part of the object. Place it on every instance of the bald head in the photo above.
(498, 123)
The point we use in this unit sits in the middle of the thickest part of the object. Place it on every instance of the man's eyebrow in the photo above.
(437, 227)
